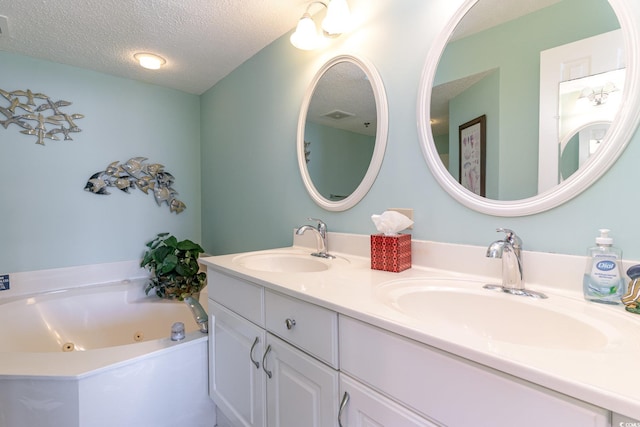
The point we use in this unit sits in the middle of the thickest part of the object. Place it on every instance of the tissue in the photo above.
(391, 251)
(390, 223)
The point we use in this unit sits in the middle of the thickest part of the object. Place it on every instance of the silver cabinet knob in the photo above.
(290, 323)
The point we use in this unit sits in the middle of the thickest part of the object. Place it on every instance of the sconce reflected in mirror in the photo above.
(586, 108)
(597, 96)
(336, 22)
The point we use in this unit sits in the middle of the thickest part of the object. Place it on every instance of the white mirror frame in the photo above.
(381, 134)
(622, 129)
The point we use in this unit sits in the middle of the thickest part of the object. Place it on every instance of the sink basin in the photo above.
(464, 307)
(282, 263)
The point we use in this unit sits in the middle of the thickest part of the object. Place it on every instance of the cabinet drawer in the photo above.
(451, 390)
(237, 295)
(307, 326)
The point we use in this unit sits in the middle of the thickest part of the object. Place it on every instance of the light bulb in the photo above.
(149, 60)
(338, 18)
(306, 35)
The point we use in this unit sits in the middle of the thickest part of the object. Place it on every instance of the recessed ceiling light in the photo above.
(149, 60)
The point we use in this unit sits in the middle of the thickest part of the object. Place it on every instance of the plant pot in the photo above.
(173, 289)
(176, 295)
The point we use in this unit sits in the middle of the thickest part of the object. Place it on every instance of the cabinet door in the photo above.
(363, 407)
(236, 379)
(301, 391)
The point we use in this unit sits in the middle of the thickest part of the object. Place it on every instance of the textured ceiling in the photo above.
(343, 98)
(202, 40)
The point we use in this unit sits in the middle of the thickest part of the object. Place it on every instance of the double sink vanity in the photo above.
(301, 340)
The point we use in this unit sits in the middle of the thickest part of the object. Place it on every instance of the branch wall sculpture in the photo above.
(23, 111)
(137, 174)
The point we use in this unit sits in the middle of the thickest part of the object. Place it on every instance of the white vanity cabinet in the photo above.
(450, 390)
(259, 374)
(279, 361)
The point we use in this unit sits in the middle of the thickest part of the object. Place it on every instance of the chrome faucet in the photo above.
(199, 314)
(321, 237)
(510, 250)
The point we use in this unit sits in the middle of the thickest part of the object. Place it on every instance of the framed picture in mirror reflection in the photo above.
(473, 149)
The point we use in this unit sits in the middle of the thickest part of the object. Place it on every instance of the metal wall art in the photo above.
(23, 111)
(135, 173)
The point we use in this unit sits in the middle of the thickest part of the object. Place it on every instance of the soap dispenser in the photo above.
(603, 280)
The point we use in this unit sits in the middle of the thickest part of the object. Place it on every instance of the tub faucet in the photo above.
(510, 250)
(321, 237)
(199, 314)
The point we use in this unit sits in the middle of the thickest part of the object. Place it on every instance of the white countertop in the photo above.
(606, 377)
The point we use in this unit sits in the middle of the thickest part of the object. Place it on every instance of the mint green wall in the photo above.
(47, 219)
(339, 159)
(252, 192)
(518, 59)
(442, 143)
(569, 159)
(232, 151)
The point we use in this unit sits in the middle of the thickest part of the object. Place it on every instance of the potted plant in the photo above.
(175, 272)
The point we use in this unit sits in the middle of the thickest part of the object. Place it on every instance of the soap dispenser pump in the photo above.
(603, 280)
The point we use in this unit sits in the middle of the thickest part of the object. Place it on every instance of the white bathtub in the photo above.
(101, 356)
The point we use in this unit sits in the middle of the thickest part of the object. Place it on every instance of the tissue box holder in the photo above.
(391, 253)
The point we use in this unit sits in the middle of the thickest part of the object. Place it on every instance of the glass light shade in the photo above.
(306, 35)
(338, 18)
(149, 60)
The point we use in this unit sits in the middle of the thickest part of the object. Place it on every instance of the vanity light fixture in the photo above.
(337, 21)
(149, 60)
(598, 96)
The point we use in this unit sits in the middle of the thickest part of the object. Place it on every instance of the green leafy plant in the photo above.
(175, 272)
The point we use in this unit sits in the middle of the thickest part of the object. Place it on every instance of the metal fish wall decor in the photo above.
(135, 173)
(30, 111)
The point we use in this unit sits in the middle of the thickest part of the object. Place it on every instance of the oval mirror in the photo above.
(490, 98)
(342, 132)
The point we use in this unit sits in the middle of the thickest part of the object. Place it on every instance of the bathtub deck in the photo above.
(80, 364)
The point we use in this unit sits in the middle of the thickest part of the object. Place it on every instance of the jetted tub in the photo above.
(101, 355)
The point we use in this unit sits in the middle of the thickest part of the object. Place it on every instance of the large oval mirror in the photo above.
(505, 84)
(342, 132)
